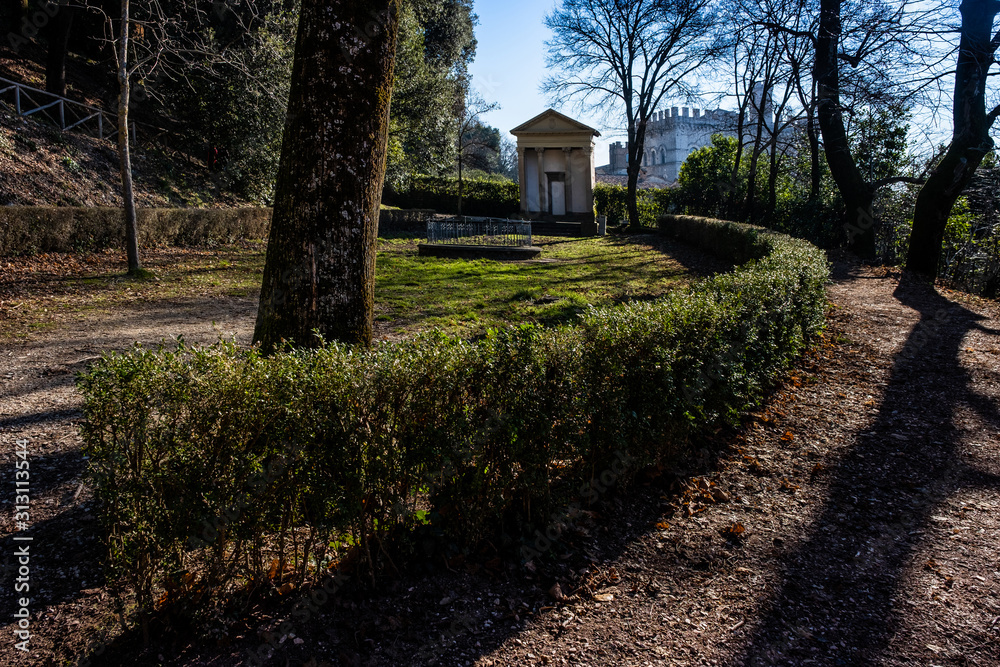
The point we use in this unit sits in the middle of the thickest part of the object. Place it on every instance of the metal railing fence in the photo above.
(479, 231)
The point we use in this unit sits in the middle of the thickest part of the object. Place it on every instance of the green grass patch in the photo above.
(469, 296)
(413, 294)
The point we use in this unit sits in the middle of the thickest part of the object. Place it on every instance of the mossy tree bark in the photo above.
(319, 274)
(970, 142)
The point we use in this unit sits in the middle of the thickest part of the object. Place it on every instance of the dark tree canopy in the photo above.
(449, 40)
(483, 149)
(436, 46)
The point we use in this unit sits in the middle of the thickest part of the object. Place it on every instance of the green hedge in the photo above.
(610, 200)
(497, 199)
(27, 230)
(735, 241)
(227, 464)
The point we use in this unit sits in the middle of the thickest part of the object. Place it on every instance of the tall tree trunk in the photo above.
(124, 150)
(732, 212)
(637, 144)
(857, 194)
(632, 195)
(55, 58)
(750, 204)
(15, 9)
(970, 142)
(812, 133)
(815, 169)
(772, 176)
(11, 12)
(461, 149)
(320, 268)
(758, 107)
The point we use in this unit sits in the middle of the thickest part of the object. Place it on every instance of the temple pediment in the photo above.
(553, 122)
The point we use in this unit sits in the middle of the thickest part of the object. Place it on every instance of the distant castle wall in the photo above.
(673, 134)
(670, 138)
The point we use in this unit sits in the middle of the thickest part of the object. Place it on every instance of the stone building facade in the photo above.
(670, 138)
(672, 135)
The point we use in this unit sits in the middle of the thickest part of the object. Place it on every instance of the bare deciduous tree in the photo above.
(764, 47)
(627, 57)
(473, 107)
(152, 40)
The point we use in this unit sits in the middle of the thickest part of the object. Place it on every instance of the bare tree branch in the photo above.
(626, 57)
(913, 180)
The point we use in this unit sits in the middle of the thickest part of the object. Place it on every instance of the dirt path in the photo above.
(853, 521)
(869, 491)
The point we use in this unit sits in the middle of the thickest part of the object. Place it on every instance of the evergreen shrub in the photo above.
(27, 230)
(610, 200)
(217, 468)
(498, 198)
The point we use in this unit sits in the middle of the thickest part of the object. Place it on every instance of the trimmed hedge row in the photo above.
(26, 230)
(610, 200)
(216, 467)
(735, 241)
(29, 230)
(498, 199)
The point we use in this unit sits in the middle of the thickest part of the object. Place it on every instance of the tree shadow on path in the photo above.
(840, 598)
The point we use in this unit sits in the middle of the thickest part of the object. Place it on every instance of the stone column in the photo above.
(588, 182)
(569, 180)
(543, 191)
(522, 154)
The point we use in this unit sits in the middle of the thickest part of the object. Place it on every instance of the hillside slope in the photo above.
(40, 165)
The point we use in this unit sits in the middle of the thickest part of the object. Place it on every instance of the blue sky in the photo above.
(510, 64)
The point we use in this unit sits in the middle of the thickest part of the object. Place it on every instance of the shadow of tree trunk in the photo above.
(840, 592)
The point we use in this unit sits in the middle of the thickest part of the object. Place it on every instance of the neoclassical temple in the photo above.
(556, 167)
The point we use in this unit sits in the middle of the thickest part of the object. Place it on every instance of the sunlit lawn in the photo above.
(468, 296)
(41, 293)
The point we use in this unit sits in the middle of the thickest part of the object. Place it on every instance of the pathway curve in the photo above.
(869, 491)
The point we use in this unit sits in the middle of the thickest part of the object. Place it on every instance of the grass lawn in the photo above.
(46, 292)
(469, 296)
